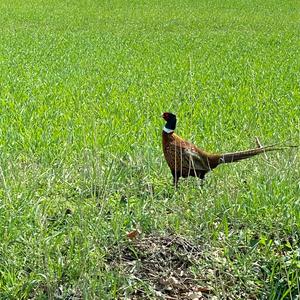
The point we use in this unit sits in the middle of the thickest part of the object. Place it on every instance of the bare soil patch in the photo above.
(164, 263)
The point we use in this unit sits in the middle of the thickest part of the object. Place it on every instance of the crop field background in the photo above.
(82, 88)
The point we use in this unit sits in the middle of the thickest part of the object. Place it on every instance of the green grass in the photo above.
(82, 88)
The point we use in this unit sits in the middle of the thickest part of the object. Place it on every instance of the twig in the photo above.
(259, 145)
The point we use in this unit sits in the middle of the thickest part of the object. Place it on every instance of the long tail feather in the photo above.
(239, 155)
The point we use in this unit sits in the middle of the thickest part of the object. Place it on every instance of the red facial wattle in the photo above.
(165, 116)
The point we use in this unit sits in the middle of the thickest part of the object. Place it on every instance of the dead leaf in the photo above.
(203, 289)
(133, 234)
(194, 295)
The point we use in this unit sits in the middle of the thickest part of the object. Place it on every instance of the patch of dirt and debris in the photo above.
(164, 264)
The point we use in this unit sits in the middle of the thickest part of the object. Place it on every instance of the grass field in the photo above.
(82, 88)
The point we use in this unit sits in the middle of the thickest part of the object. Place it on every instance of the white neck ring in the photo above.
(167, 130)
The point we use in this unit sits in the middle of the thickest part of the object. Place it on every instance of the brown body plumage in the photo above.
(185, 159)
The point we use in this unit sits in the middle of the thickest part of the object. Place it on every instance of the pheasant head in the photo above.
(171, 122)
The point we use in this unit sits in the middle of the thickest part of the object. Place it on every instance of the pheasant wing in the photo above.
(195, 161)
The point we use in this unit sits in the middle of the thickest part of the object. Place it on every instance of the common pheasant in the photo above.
(185, 159)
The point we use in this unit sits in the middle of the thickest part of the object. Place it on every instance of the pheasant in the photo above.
(185, 159)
